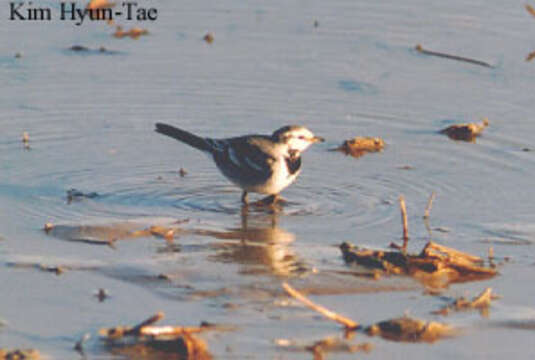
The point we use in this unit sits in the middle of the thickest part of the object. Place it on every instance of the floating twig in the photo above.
(404, 222)
(421, 50)
(146, 328)
(348, 323)
(158, 341)
(153, 319)
(398, 329)
(480, 302)
(429, 205)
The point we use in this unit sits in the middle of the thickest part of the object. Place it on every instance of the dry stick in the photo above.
(137, 329)
(420, 49)
(404, 222)
(169, 330)
(348, 323)
(429, 205)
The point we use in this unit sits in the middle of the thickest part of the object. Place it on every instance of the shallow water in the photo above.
(90, 118)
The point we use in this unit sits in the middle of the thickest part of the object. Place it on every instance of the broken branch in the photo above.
(348, 323)
(429, 205)
(421, 50)
(404, 222)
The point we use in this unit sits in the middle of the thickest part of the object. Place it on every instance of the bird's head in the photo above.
(296, 138)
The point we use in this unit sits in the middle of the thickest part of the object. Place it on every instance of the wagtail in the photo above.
(264, 164)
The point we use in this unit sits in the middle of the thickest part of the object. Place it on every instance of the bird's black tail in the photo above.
(184, 136)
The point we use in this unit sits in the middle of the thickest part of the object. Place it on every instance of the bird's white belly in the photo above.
(280, 179)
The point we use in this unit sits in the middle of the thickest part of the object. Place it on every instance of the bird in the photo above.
(264, 164)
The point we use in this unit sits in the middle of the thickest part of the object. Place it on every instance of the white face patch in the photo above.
(299, 140)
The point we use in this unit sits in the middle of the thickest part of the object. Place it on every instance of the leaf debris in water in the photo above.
(465, 132)
(148, 338)
(359, 146)
(326, 345)
(436, 265)
(480, 302)
(408, 329)
(19, 354)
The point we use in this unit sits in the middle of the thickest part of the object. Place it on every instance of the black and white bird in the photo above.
(264, 164)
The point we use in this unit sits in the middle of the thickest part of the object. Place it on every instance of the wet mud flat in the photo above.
(115, 244)
(189, 273)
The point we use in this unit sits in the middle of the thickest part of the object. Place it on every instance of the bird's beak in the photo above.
(316, 139)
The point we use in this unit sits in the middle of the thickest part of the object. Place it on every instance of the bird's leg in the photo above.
(244, 198)
(268, 200)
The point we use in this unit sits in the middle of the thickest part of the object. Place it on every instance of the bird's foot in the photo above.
(270, 200)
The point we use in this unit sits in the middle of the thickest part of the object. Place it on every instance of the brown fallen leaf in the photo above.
(359, 146)
(465, 132)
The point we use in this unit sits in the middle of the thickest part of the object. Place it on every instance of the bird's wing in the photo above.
(244, 159)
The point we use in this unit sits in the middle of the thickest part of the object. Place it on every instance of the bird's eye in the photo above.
(301, 137)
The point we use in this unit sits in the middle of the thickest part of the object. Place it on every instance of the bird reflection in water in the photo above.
(260, 245)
